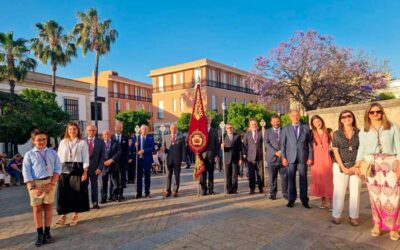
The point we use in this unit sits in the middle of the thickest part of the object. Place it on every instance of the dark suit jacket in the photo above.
(272, 145)
(175, 153)
(296, 148)
(124, 144)
(232, 149)
(96, 159)
(252, 150)
(114, 152)
(147, 147)
(213, 145)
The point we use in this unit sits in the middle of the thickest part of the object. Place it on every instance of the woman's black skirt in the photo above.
(72, 193)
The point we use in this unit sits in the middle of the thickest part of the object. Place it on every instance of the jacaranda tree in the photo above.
(311, 70)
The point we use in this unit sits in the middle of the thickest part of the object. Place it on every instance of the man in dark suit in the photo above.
(145, 145)
(175, 148)
(210, 156)
(274, 160)
(123, 160)
(232, 147)
(96, 162)
(296, 148)
(252, 153)
(111, 168)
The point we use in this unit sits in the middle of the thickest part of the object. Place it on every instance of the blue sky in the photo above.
(159, 33)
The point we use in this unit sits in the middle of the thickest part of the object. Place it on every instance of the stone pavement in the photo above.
(191, 222)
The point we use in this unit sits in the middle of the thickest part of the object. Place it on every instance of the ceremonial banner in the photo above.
(198, 133)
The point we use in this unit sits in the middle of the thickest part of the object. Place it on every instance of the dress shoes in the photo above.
(39, 240)
(103, 201)
(47, 239)
(290, 204)
(261, 190)
(306, 205)
(252, 192)
(148, 196)
(138, 196)
(95, 206)
(204, 193)
(167, 194)
(175, 194)
(272, 197)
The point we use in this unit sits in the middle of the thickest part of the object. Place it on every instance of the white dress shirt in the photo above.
(75, 151)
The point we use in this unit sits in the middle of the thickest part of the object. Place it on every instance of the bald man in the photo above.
(96, 162)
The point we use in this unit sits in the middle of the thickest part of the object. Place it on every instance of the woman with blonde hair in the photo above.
(380, 147)
(73, 195)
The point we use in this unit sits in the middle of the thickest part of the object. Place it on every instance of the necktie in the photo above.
(254, 136)
(90, 146)
(277, 134)
(296, 131)
(173, 139)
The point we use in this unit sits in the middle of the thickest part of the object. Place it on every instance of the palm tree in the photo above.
(14, 59)
(52, 46)
(94, 35)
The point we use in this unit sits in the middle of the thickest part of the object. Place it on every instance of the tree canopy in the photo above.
(131, 119)
(313, 71)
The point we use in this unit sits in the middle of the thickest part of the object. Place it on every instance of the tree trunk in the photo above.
(12, 86)
(55, 142)
(15, 148)
(53, 78)
(96, 72)
(6, 147)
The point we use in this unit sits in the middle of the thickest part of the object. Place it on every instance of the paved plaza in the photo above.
(190, 222)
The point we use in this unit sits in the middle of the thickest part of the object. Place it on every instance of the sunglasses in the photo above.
(373, 112)
(346, 116)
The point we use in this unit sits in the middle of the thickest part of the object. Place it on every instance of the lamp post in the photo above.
(162, 129)
(222, 126)
(137, 130)
(263, 123)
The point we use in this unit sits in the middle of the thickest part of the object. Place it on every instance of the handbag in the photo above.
(365, 168)
(72, 168)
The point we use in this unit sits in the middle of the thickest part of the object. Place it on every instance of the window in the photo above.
(115, 87)
(212, 75)
(234, 99)
(197, 75)
(126, 91)
(174, 104)
(160, 109)
(234, 80)
(117, 107)
(213, 103)
(223, 77)
(182, 103)
(71, 106)
(181, 80)
(161, 83)
(99, 111)
(127, 106)
(174, 79)
(226, 101)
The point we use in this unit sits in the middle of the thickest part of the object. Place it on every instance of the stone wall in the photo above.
(330, 115)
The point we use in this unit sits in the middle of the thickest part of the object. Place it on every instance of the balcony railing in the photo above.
(174, 87)
(129, 97)
(208, 83)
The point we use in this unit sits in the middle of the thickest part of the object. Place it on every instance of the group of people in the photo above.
(335, 159)
(10, 171)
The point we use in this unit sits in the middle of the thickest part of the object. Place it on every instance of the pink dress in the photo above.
(321, 171)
